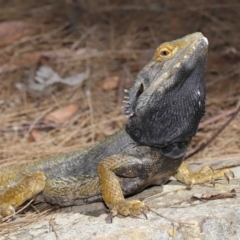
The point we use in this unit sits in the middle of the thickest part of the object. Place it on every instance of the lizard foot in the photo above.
(6, 210)
(211, 175)
(30, 186)
(205, 175)
(128, 208)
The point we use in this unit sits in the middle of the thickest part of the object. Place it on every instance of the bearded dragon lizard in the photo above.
(165, 106)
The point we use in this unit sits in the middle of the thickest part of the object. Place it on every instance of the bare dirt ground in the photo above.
(108, 42)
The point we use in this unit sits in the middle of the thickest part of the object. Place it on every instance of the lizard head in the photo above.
(167, 99)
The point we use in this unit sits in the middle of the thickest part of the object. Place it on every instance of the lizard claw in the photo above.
(6, 210)
(228, 173)
(129, 208)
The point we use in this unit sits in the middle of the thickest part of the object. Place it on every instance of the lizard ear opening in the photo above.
(140, 90)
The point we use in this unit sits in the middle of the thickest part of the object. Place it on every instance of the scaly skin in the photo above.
(164, 109)
(82, 177)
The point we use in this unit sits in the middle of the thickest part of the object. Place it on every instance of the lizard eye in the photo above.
(164, 53)
(140, 90)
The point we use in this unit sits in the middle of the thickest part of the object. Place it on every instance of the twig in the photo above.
(76, 44)
(51, 223)
(38, 118)
(40, 125)
(10, 216)
(217, 117)
(89, 101)
(204, 145)
(170, 219)
(26, 127)
(217, 163)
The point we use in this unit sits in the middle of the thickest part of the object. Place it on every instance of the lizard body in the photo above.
(166, 103)
(72, 179)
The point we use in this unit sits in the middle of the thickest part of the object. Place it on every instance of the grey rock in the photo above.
(183, 218)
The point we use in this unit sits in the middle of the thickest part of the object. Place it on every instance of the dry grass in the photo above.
(116, 38)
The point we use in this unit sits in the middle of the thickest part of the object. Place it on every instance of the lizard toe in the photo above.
(6, 210)
(129, 208)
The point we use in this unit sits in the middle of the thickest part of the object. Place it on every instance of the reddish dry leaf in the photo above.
(10, 31)
(8, 67)
(61, 115)
(108, 83)
(230, 194)
(34, 136)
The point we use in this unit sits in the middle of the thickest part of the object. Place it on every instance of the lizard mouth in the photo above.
(206, 40)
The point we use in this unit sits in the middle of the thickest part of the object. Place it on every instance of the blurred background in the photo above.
(64, 65)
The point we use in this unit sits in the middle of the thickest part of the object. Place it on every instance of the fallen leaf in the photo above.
(34, 136)
(230, 194)
(8, 67)
(108, 83)
(62, 115)
(10, 31)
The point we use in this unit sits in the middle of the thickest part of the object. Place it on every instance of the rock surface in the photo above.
(182, 218)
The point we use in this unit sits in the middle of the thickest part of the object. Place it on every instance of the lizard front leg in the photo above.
(205, 175)
(16, 195)
(111, 188)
